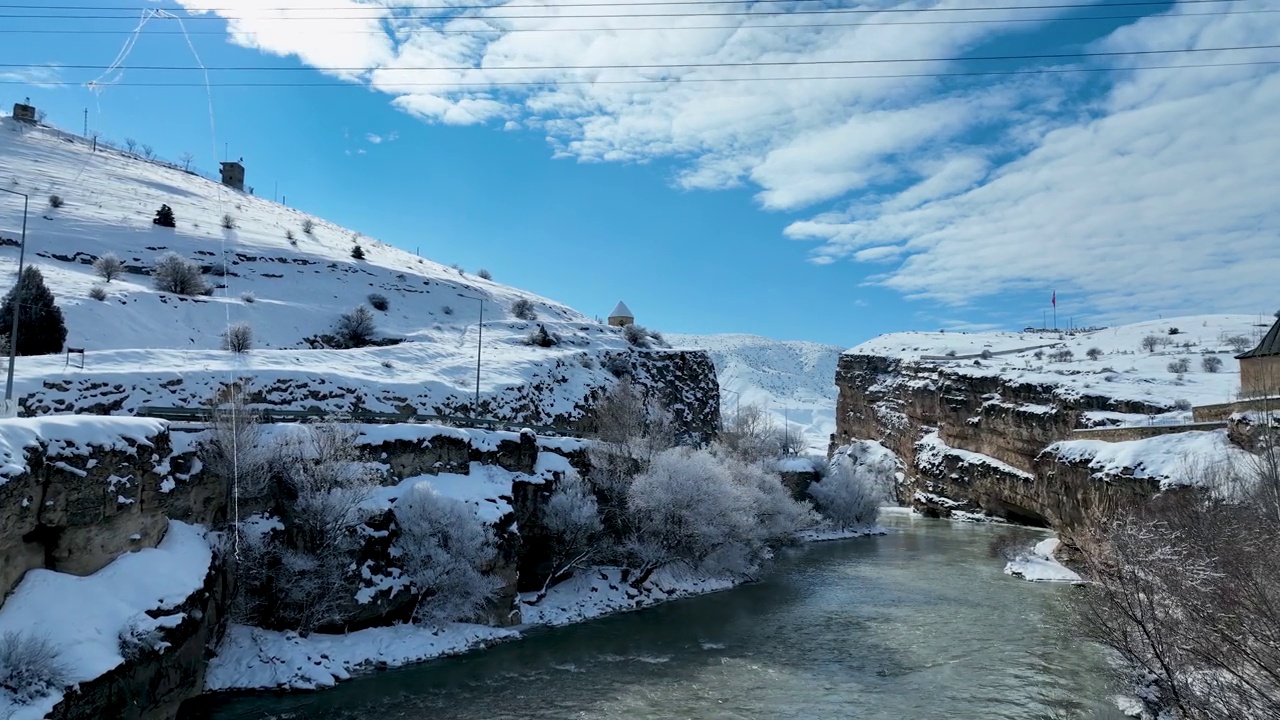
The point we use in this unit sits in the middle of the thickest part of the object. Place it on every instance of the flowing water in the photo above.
(917, 624)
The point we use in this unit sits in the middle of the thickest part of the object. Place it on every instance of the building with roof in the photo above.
(25, 112)
(621, 315)
(1260, 367)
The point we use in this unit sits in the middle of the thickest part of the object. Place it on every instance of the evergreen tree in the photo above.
(41, 329)
(164, 217)
(357, 252)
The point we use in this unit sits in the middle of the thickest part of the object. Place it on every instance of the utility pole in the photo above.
(479, 345)
(86, 122)
(13, 333)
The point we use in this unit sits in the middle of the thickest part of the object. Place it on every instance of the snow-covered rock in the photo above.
(1039, 564)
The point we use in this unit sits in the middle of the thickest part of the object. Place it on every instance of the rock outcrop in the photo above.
(974, 443)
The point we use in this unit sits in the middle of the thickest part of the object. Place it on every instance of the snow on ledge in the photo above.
(601, 591)
(83, 616)
(1172, 459)
(1041, 566)
(931, 449)
(71, 435)
(254, 659)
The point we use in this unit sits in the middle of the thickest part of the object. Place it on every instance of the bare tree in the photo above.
(176, 274)
(108, 266)
(356, 328)
(571, 519)
(131, 145)
(1239, 343)
(1211, 363)
(148, 152)
(186, 159)
(1151, 343)
(238, 338)
(1187, 591)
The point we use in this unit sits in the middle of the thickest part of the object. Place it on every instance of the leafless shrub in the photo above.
(636, 335)
(228, 222)
(1187, 590)
(356, 328)
(1063, 355)
(1093, 353)
(379, 302)
(147, 152)
(446, 310)
(176, 274)
(751, 435)
(30, 666)
(55, 201)
(131, 145)
(186, 159)
(97, 292)
(1239, 343)
(523, 309)
(1211, 363)
(1179, 366)
(484, 274)
(1151, 343)
(248, 297)
(238, 338)
(108, 266)
(1182, 404)
(308, 226)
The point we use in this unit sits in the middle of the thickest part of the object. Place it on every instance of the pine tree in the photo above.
(357, 252)
(41, 329)
(164, 217)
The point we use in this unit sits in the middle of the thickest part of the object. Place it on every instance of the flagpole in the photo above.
(1055, 310)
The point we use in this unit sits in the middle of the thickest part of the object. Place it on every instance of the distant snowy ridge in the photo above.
(792, 379)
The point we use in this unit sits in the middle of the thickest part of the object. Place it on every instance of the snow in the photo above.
(144, 347)
(91, 612)
(602, 591)
(251, 658)
(1041, 566)
(71, 436)
(1124, 371)
(828, 534)
(487, 489)
(931, 450)
(792, 380)
(1170, 459)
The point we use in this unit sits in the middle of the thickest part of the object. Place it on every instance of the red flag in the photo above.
(1055, 298)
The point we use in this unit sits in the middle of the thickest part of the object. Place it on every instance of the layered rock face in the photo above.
(975, 444)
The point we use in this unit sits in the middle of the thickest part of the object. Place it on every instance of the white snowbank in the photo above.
(84, 616)
(487, 489)
(601, 591)
(1171, 459)
(931, 450)
(252, 658)
(71, 435)
(1040, 565)
(825, 534)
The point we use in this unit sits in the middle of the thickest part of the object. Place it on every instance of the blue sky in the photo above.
(828, 210)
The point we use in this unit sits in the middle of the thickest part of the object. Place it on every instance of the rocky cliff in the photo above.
(983, 443)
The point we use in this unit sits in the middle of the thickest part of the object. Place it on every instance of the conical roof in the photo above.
(1270, 344)
(621, 311)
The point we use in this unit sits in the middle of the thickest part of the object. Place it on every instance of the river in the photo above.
(917, 624)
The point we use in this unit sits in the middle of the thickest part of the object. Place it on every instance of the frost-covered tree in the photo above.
(687, 508)
(849, 496)
(1211, 363)
(445, 548)
(751, 435)
(1239, 343)
(173, 273)
(630, 430)
(777, 515)
(523, 309)
(575, 535)
(41, 328)
(108, 266)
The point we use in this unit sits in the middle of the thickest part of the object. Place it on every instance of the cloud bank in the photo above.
(1141, 190)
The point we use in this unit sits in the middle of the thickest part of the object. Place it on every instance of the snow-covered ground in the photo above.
(286, 290)
(793, 380)
(1039, 565)
(83, 617)
(1173, 460)
(1124, 370)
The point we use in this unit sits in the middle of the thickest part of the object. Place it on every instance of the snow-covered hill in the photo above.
(288, 284)
(792, 380)
(1123, 370)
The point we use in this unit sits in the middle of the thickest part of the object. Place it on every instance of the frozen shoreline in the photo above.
(251, 658)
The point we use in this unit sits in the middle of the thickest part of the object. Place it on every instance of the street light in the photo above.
(479, 343)
(13, 334)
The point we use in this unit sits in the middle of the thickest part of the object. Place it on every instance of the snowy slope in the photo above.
(143, 338)
(793, 380)
(1124, 371)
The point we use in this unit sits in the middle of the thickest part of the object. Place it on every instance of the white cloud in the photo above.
(41, 76)
(1147, 191)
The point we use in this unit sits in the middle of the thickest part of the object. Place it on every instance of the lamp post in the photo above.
(13, 333)
(479, 345)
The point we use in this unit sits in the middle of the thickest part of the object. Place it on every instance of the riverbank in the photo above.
(251, 658)
(920, 622)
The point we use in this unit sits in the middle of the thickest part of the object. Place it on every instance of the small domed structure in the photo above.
(621, 315)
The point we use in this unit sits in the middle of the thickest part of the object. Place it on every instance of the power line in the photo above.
(869, 23)
(731, 13)
(670, 66)
(544, 6)
(669, 81)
